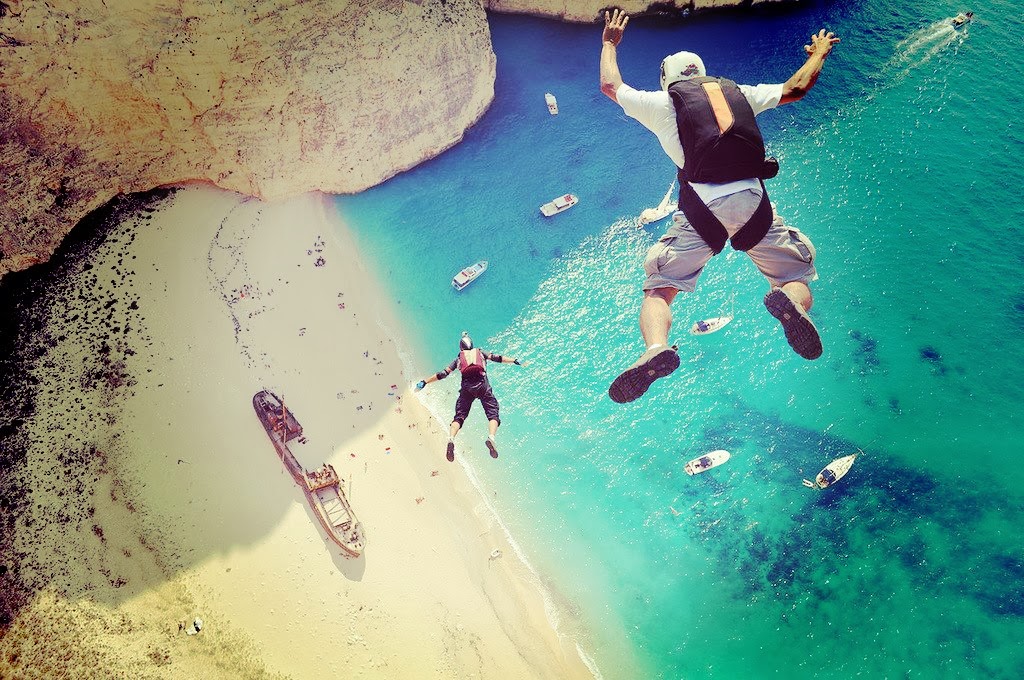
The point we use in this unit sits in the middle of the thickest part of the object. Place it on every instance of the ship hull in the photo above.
(322, 487)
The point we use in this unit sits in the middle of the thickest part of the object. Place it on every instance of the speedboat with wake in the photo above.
(832, 472)
(962, 18)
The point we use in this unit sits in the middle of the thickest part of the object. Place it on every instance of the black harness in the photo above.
(721, 143)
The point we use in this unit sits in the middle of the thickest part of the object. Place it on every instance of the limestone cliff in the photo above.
(591, 10)
(266, 97)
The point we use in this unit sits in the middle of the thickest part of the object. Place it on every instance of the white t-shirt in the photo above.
(654, 110)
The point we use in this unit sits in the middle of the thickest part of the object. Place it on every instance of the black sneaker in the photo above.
(451, 452)
(634, 381)
(491, 447)
(801, 333)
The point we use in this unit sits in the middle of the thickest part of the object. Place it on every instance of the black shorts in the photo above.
(468, 393)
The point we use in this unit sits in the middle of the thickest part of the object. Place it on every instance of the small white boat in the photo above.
(552, 104)
(468, 275)
(707, 326)
(715, 323)
(832, 472)
(706, 462)
(663, 210)
(560, 204)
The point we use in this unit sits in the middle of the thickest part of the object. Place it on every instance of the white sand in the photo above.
(198, 517)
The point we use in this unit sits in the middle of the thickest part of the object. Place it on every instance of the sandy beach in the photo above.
(157, 498)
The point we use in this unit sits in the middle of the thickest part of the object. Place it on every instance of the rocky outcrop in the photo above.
(592, 10)
(266, 97)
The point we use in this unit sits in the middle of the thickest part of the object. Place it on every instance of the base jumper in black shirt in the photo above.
(472, 363)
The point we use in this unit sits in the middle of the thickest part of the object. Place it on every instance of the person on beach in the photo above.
(707, 127)
(472, 363)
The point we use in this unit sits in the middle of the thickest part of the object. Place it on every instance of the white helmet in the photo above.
(680, 66)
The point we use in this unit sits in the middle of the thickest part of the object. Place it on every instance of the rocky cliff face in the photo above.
(592, 10)
(264, 97)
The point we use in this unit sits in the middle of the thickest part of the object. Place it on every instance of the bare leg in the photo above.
(450, 449)
(658, 360)
(655, 315)
(492, 425)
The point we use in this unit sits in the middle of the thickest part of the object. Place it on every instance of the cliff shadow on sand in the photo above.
(81, 337)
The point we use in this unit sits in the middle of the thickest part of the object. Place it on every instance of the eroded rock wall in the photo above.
(593, 10)
(265, 97)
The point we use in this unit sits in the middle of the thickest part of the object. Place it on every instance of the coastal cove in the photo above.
(139, 489)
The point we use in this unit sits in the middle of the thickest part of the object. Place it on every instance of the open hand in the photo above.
(821, 43)
(614, 26)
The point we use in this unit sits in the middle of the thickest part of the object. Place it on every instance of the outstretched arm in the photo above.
(503, 359)
(803, 80)
(614, 26)
(426, 381)
(440, 375)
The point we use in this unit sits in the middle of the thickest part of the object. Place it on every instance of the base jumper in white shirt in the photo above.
(707, 127)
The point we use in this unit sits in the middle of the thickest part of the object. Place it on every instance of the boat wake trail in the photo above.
(921, 46)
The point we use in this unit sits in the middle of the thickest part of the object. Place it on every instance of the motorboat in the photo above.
(469, 275)
(715, 323)
(560, 204)
(552, 103)
(832, 472)
(706, 462)
(708, 326)
(962, 18)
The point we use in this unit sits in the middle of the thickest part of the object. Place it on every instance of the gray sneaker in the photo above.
(634, 381)
(800, 330)
(491, 447)
(450, 453)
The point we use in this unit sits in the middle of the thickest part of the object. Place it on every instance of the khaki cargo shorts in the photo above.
(785, 254)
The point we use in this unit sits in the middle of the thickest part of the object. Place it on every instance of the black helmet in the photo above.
(465, 342)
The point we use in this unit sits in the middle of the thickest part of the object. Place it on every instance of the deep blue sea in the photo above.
(903, 165)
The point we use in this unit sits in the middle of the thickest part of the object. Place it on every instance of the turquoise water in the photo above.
(903, 165)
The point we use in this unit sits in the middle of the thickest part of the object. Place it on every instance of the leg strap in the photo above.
(751, 233)
(701, 218)
(709, 228)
